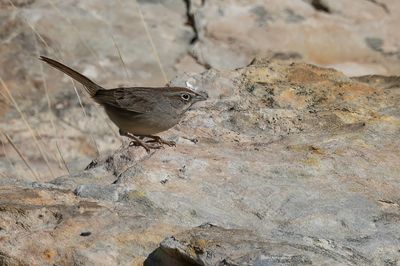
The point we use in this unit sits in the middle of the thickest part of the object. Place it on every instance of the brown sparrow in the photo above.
(138, 112)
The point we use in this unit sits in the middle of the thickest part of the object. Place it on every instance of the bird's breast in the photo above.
(141, 124)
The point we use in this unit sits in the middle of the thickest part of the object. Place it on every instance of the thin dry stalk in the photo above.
(42, 73)
(4, 96)
(3, 175)
(5, 153)
(79, 99)
(155, 52)
(120, 57)
(116, 134)
(62, 158)
(108, 25)
(26, 162)
(97, 58)
(27, 125)
(7, 157)
(46, 90)
(128, 76)
(30, 26)
(86, 117)
(93, 52)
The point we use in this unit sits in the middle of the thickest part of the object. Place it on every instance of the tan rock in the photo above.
(293, 162)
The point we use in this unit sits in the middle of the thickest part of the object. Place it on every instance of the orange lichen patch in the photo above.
(312, 161)
(361, 143)
(351, 91)
(349, 117)
(197, 246)
(340, 152)
(139, 261)
(151, 236)
(317, 150)
(262, 75)
(288, 98)
(303, 73)
(34, 197)
(49, 254)
(17, 194)
(307, 148)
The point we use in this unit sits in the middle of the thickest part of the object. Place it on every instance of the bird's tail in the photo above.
(89, 85)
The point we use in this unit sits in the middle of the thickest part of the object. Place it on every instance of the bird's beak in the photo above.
(201, 96)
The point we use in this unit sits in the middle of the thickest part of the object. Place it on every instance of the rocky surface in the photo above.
(356, 37)
(285, 164)
(111, 43)
(213, 245)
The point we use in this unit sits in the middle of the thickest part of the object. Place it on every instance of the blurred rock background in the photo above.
(298, 161)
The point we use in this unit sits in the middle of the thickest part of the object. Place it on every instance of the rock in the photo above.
(286, 163)
(108, 193)
(335, 33)
(213, 245)
(41, 223)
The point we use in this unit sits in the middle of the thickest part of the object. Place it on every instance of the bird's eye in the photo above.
(185, 96)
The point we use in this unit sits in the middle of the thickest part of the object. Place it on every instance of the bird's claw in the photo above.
(156, 139)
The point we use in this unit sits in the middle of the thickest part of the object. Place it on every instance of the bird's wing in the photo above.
(131, 99)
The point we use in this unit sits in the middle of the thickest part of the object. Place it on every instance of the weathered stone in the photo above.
(335, 33)
(213, 245)
(296, 164)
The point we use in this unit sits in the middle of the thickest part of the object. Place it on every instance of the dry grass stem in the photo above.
(43, 41)
(5, 153)
(38, 146)
(49, 108)
(93, 52)
(120, 57)
(3, 175)
(7, 157)
(30, 26)
(26, 162)
(62, 158)
(4, 96)
(154, 49)
(86, 117)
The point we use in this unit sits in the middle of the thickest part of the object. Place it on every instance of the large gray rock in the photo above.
(338, 33)
(295, 164)
(213, 245)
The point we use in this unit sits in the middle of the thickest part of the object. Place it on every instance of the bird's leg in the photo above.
(138, 142)
(159, 140)
(135, 143)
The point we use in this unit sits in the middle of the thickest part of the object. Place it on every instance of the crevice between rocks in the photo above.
(382, 5)
(191, 21)
(320, 6)
(199, 61)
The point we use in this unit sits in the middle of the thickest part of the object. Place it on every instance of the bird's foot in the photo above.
(138, 142)
(157, 139)
(146, 146)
